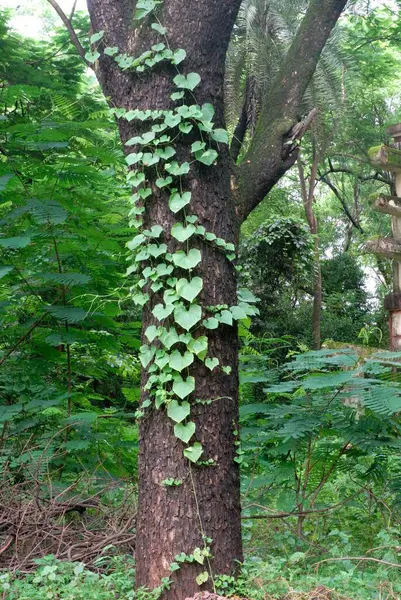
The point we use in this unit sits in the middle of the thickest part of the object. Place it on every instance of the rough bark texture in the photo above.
(168, 519)
(171, 520)
(308, 197)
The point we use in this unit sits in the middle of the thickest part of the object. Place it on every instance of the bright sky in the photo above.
(33, 17)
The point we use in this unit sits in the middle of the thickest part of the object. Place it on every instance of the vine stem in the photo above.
(201, 528)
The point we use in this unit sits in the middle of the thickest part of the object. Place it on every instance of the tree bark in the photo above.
(173, 520)
(308, 196)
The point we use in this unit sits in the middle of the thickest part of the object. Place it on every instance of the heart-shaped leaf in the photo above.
(189, 289)
(152, 332)
(169, 337)
(187, 261)
(211, 363)
(181, 233)
(166, 152)
(199, 346)
(111, 52)
(220, 135)
(178, 412)
(133, 158)
(179, 361)
(183, 387)
(161, 359)
(187, 82)
(176, 169)
(202, 578)
(188, 318)
(193, 453)
(207, 158)
(225, 317)
(92, 56)
(178, 201)
(162, 312)
(179, 56)
(184, 432)
(146, 355)
(161, 182)
(211, 323)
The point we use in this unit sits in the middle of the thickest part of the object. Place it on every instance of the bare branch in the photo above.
(338, 195)
(70, 29)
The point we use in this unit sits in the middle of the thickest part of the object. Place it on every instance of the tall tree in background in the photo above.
(207, 503)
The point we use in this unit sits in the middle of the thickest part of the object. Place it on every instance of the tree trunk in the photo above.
(172, 520)
(308, 196)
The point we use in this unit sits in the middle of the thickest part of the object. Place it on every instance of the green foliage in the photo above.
(55, 580)
(65, 344)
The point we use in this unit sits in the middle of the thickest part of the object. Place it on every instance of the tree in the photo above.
(206, 505)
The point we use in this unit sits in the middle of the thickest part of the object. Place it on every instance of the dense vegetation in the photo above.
(320, 429)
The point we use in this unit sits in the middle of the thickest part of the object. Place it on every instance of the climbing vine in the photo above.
(179, 336)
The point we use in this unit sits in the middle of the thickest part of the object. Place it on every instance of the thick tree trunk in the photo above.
(173, 520)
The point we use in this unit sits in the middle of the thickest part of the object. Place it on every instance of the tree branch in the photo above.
(73, 36)
(247, 119)
(272, 151)
(337, 194)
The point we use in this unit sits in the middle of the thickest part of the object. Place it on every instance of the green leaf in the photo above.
(199, 346)
(159, 28)
(177, 96)
(220, 135)
(188, 318)
(211, 363)
(4, 270)
(96, 37)
(179, 56)
(187, 261)
(184, 432)
(178, 201)
(238, 313)
(175, 169)
(202, 578)
(188, 82)
(225, 317)
(189, 290)
(198, 146)
(15, 243)
(135, 178)
(111, 51)
(172, 120)
(178, 412)
(193, 453)
(166, 152)
(211, 323)
(183, 387)
(67, 314)
(198, 556)
(169, 337)
(181, 233)
(208, 157)
(207, 111)
(152, 332)
(92, 57)
(133, 158)
(146, 354)
(162, 312)
(179, 361)
(185, 127)
(163, 182)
